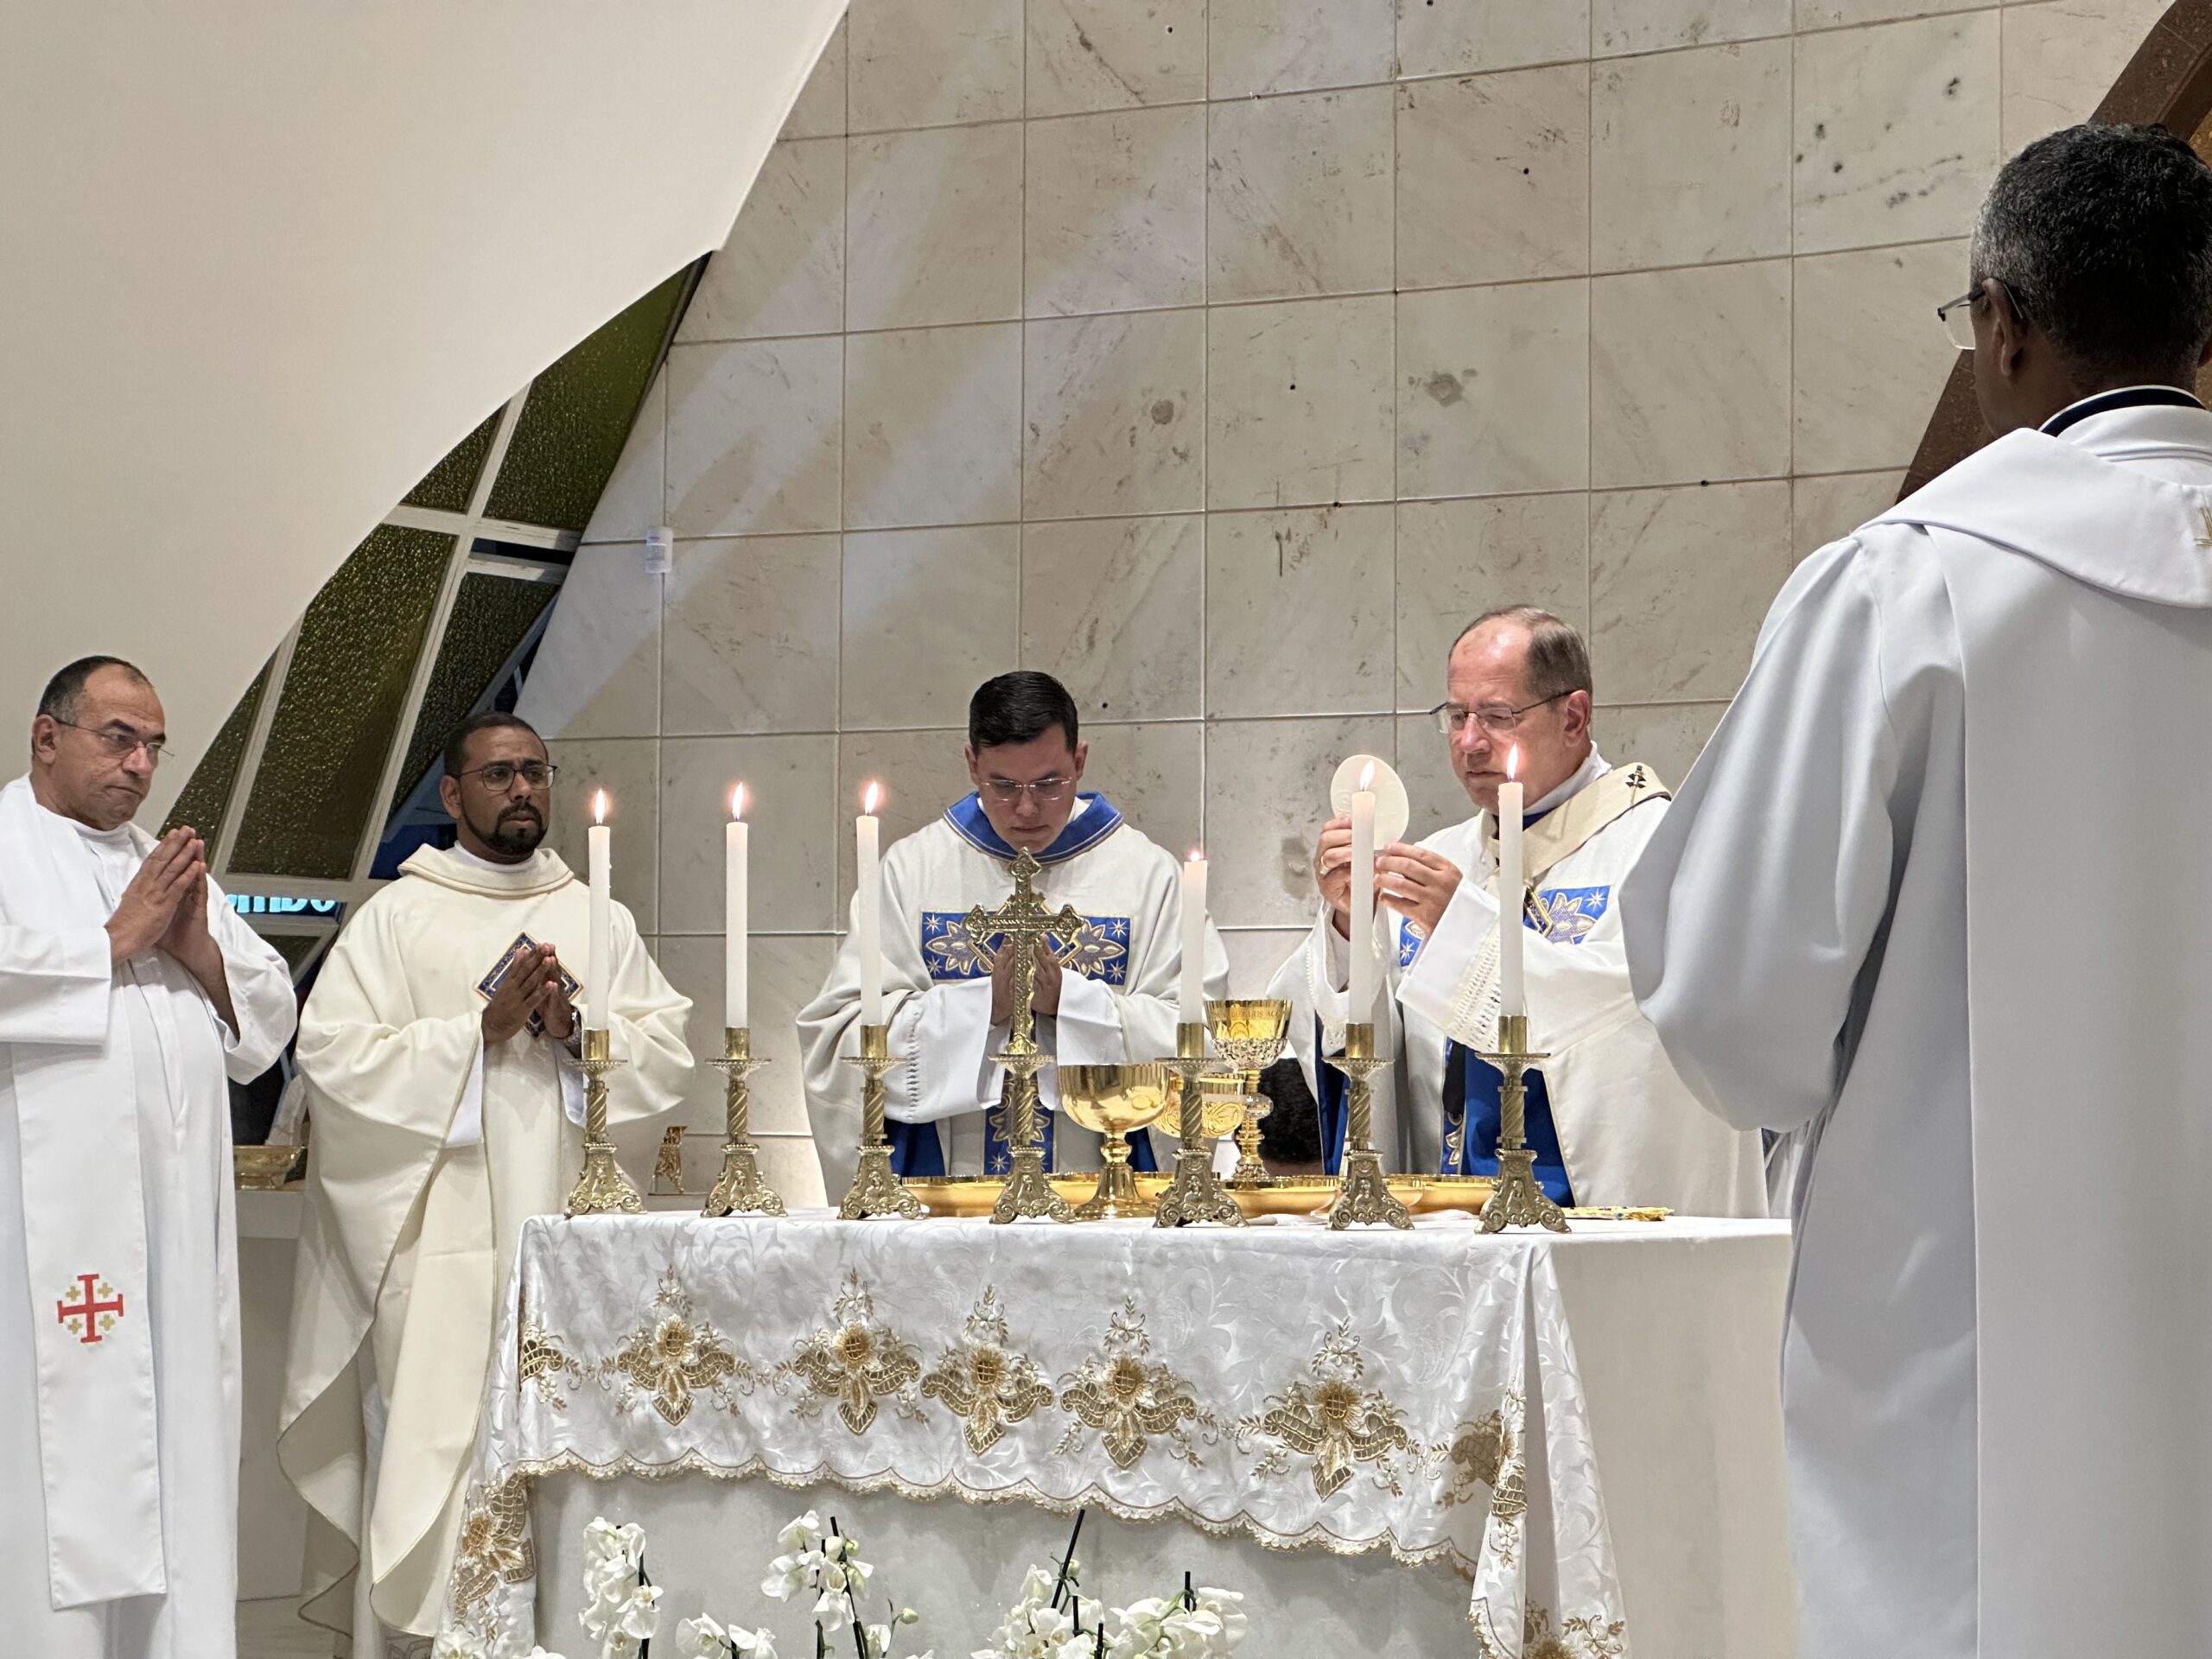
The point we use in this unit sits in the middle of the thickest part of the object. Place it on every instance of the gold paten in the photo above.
(740, 1190)
(876, 1188)
(1519, 1201)
(267, 1169)
(1114, 1101)
(1363, 1197)
(602, 1189)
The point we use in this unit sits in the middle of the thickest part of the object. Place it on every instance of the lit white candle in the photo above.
(1512, 990)
(867, 925)
(599, 959)
(1192, 1001)
(737, 905)
(1363, 897)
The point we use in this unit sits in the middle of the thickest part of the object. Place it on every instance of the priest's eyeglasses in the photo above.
(1006, 791)
(1957, 315)
(1494, 718)
(119, 743)
(500, 775)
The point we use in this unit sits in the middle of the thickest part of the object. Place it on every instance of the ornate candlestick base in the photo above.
(876, 1188)
(1027, 1194)
(1363, 1198)
(602, 1189)
(740, 1190)
(1250, 1171)
(1518, 1201)
(1196, 1192)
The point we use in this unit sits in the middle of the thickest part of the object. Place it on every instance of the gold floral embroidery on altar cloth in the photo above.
(855, 1360)
(1129, 1398)
(1585, 1637)
(494, 1547)
(542, 1363)
(984, 1381)
(676, 1356)
(1488, 1454)
(1334, 1422)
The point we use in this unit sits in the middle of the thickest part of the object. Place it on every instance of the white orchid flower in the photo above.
(457, 1645)
(801, 1536)
(702, 1638)
(787, 1576)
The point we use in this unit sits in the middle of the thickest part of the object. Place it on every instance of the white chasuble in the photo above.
(428, 1150)
(1932, 900)
(119, 1265)
(1118, 989)
(1628, 1131)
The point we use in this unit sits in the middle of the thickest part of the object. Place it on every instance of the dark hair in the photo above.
(1291, 1132)
(64, 692)
(1558, 660)
(1019, 708)
(491, 720)
(2103, 236)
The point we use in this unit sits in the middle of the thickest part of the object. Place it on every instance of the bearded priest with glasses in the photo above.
(1610, 1121)
(435, 1046)
(1103, 997)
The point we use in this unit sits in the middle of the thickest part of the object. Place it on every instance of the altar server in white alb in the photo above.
(1610, 1121)
(1936, 896)
(128, 991)
(1107, 996)
(442, 1114)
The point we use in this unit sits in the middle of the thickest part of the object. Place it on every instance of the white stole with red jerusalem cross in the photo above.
(81, 1207)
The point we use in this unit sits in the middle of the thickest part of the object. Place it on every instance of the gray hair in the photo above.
(2103, 236)
(1558, 661)
(65, 693)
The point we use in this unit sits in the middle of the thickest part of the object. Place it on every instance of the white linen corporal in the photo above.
(1930, 900)
(119, 1427)
(1629, 1131)
(1117, 995)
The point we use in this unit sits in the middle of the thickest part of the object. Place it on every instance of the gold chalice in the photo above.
(1221, 1096)
(1111, 1101)
(1249, 1032)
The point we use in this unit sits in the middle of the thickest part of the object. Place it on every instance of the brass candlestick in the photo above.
(740, 1190)
(602, 1188)
(1518, 1201)
(876, 1188)
(1362, 1196)
(1249, 1032)
(1196, 1193)
(1021, 925)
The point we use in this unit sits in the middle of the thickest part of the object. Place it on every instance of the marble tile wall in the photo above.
(1221, 357)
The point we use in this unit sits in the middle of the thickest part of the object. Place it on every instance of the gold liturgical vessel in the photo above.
(1196, 1193)
(1362, 1196)
(1518, 1201)
(876, 1188)
(1114, 1101)
(1249, 1032)
(740, 1190)
(602, 1189)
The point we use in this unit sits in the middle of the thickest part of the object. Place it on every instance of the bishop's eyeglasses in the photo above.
(1495, 718)
(499, 775)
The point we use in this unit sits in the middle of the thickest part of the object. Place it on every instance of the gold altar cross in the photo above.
(1021, 924)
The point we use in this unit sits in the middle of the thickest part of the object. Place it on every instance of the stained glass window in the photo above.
(492, 617)
(445, 486)
(206, 796)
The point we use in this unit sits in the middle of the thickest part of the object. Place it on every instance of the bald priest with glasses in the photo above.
(1106, 995)
(1610, 1120)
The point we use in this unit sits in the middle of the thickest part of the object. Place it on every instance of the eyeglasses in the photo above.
(119, 744)
(501, 775)
(1957, 315)
(1495, 718)
(1043, 789)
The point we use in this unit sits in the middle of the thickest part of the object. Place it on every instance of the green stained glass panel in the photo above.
(295, 947)
(491, 616)
(578, 414)
(445, 486)
(207, 794)
(320, 771)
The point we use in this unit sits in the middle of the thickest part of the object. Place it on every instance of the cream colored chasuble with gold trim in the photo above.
(413, 1208)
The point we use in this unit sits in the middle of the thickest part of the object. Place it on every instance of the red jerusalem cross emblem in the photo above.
(89, 1319)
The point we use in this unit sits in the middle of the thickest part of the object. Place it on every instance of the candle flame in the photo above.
(871, 797)
(737, 802)
(1513, 762)
(1197, 854)
(599, 806)
(1367, 776)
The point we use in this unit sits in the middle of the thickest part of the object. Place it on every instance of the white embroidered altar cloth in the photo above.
(1410, 1392)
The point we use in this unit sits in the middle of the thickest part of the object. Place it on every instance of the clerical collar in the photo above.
(1094, 819)
(478, 862)
(2125, 398)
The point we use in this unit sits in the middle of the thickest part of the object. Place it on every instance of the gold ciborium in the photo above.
(1112, 1100)
(1249, 1032)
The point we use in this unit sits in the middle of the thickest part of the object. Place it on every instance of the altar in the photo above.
(1516, 1446)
